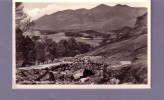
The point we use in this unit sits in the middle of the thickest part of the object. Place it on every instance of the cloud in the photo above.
(38, 12)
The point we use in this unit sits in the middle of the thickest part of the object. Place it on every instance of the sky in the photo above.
(35, 10)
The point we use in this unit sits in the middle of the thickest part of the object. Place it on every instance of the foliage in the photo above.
(24, 45)
(46, 49)
(30, 50)
(71, 48)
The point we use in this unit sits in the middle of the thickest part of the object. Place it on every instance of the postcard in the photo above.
(84, 44)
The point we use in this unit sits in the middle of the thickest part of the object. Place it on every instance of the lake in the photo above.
(59, 36)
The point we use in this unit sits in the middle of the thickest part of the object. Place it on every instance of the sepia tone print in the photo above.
(90, 44)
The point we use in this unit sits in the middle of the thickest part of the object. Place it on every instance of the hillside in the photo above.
(132, 50)
(121, 59)
(102, 17)
(124, 50)
(135, 46)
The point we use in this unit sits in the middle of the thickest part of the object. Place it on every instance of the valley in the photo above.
(101, 45)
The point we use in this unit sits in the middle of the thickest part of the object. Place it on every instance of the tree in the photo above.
(24, 45)
(40, 52)
(73, 44)
(83, 47)
(50, 48)
(62, 48)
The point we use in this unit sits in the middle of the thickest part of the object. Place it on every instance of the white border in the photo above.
(70, 1)
(16, 86)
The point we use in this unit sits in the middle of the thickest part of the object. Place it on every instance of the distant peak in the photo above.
(103, 5)
(120, 5)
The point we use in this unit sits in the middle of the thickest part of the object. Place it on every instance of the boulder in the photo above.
(82, 73)
(66, 72)
(46, 76)
(114, 81)
(99, 80)
(83, 80)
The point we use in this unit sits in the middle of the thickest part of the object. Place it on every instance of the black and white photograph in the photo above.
(81, 44)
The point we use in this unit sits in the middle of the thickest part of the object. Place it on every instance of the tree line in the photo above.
(38, 50)
(33, 49)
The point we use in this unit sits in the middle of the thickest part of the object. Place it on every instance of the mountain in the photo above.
(140, 26)
(120, 62)
(132, 49)
(101, 17)
(141, 21)
(133, 46)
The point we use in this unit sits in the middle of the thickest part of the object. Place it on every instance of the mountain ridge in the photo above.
(134, 46)
(101, 17)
